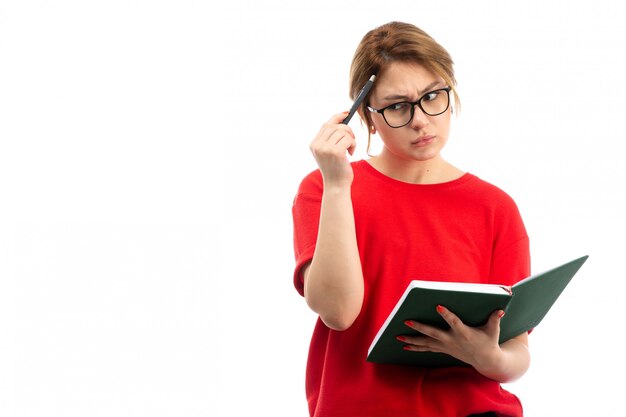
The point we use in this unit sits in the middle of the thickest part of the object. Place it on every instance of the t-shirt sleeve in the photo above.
(306, 213)
(510, 261)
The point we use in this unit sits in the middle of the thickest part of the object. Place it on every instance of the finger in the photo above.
(420, 343)
(430, 331)
(337, 145)
(332, 134)
(335, 122)
(493, 323)
(452, 319)
(415, 340)
(352, 147)
(332, 140)
(422, 348)
(339, 131)
(348, 143)
(337, 118)
(330, 149)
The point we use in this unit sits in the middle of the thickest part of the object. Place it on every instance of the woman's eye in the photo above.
(398, 107)
(431, 96)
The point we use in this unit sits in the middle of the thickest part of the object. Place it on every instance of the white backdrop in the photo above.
(150, 152)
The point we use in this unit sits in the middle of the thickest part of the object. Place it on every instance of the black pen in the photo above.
(359, 99)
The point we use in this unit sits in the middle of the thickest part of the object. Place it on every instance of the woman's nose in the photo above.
(419, 119)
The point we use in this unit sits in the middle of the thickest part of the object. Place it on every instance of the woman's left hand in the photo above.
(476, 346)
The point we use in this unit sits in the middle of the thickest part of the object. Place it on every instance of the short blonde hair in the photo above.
(397, 42)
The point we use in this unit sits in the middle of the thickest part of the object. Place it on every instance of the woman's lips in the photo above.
(423, 140)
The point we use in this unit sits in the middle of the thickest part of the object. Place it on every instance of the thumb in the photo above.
(352, 147)
(494, 321)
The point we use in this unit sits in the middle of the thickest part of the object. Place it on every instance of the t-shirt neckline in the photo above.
(392, 181)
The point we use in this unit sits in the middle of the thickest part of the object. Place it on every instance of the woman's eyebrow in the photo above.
(429, 87)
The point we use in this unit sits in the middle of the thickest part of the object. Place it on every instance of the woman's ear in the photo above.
(366, 121)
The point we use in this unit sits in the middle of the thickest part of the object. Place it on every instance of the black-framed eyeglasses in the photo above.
(400, 114)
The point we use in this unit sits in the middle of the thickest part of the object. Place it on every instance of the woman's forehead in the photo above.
(401, 79)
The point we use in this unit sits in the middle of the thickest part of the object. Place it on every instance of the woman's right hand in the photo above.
(329, 149)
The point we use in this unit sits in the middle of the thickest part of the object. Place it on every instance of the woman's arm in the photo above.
(333, 281)
(512, 362)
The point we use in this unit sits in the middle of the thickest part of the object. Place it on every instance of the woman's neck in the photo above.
(432, 171)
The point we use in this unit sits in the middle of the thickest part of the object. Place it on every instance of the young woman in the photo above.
(362, 230)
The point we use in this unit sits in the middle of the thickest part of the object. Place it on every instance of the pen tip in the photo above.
(372, 78)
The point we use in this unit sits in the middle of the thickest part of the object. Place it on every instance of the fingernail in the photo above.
(406, 347)
(501, 314)
(440, 309)
(409, 322)
(401, 338)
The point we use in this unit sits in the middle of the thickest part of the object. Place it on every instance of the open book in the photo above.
(525, 303)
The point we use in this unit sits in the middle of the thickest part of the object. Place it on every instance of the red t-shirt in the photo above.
(465, 229)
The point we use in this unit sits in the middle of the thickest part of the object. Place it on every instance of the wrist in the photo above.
(337, 189)
(491, 363)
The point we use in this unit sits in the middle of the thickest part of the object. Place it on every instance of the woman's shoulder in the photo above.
(491, 192)
(312, 183)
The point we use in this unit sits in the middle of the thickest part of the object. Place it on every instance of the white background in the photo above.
(150, 152)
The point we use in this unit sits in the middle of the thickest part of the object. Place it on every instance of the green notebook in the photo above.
(525, 304)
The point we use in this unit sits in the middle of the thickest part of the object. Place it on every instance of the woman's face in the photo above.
(424, 136)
